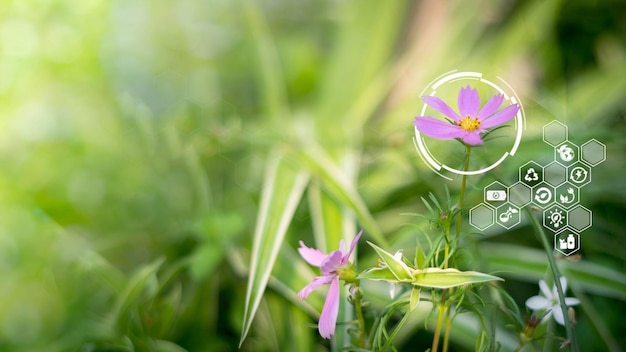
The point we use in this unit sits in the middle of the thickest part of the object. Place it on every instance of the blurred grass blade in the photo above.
(282, 190)
(140, 281)
(338, 184)
(332, 222)
(271, 77)
(400, 270)
(446, 278)
(530, 264)
(355, 62)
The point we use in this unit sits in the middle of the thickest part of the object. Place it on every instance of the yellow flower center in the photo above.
(469, 124)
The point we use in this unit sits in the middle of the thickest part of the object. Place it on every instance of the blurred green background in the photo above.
(136, 136)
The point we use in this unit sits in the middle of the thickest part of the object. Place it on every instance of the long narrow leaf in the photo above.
(282, 191)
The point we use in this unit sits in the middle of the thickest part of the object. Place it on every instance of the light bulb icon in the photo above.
(556, 218)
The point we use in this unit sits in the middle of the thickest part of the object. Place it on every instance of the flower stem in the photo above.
(444, 313)
(358, 307)
(468, 150)
(440, 316)
(569, 328)
(446, 333)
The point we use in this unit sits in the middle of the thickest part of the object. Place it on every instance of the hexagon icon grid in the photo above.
(567, 195)
(593, 152)
(580, 218)
(579, 174)
(567, 242)
(507, 215)
(554, 174)
(543, 195)
(554, 133)
(554, 187)
(555, 218)
(520, 194)
(481, 216)
(566, 153)
(531, 173)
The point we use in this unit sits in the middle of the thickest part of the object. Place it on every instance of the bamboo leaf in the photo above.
(530, 265)
(397, 267)
(414, 300)
(271, 77)
(282, 191)
(446, 278)
(339, 185)
(332, 222)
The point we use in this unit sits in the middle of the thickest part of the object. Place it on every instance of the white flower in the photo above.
(550, 301)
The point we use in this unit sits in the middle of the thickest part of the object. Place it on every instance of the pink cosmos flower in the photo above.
(333, 266)
(470, 123)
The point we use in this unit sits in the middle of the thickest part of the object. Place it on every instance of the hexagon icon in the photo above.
(579, 174)
(495, 193)
(554, 174)
(519, 194)
(567, 195)
(555, 218)
(531, 173)
(567, 242)
(507, 215)
(580, 218)
(543, 195)
(566, 153)
(593, 152)
(554, 133)
(481, 216)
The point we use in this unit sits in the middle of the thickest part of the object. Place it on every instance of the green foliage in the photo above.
(161, 160)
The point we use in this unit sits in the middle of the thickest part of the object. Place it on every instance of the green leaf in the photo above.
(272, 82)
(397, 267)
(342, 188)
(378, 274)
(446, 278)
(414, 300)
(282, 191)
(332, 222)
(530, 264)
(143, 279)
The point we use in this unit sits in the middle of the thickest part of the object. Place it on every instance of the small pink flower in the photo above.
(332, 267)
(470, 123)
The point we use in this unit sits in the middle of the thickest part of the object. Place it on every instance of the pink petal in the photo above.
(352, 245)
(472, 138)
(492, 105)
(311, 255)
(317, 282)
(469, 102)
(538, 302)
(331, 263)
(437, 128)
(328, 318)
(500, 117)
(441, 106)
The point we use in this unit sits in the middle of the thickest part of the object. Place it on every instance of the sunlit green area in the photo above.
(145, 145)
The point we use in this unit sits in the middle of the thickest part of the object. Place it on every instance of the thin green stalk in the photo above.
(569, 328)
(448, 319)
(468, 150)
(358, 307)
(446, 334)
(440, 316)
